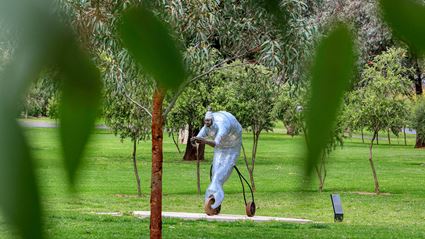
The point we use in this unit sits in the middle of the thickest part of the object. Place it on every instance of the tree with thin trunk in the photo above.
(288, 108)
(372, 166)
(136, 171)
(336, 138)
(382, 102)
(249, 94)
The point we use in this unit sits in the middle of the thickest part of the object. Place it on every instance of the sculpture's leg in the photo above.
(224, 160)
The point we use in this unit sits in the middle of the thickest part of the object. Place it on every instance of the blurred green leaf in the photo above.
(19, 198)
(18, 188)
(80, 101)
(332, 72)
(149, 41)
(407, 20)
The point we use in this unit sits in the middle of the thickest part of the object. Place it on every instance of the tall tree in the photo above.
(249, 93)
(217, 32)
(150, 42)
(382, 102)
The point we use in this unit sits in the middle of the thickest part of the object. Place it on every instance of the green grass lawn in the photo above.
(106, 184)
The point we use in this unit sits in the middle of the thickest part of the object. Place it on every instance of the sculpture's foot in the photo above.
(250, 209)
(209, 210)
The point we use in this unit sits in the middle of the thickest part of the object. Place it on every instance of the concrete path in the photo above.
(45, 124)
(220, 217)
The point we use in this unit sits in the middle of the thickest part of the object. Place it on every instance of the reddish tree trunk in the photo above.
(156, 179)
(419, 142)
(290, 130)
(190, 153)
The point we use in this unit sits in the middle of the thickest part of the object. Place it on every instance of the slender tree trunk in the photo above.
(198, 170)
(136, 171)
(375, 177)
(377, 138)
(157, 158)
(362, 136)
(321, 172)
(323, 175)
(389, 137)
(319, 175)
(176, 143)
(190, 153)
(404, 132)
(256, 135)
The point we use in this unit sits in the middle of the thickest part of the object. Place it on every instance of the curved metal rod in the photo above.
(250, 189)
(243, 187)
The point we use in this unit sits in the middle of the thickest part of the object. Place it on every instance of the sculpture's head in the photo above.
(208, 119)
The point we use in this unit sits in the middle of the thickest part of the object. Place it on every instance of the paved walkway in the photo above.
(45, 124)
(220, 217)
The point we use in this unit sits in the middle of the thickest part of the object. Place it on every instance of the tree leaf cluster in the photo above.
(289, 108)
(249, 93)
(382, 101)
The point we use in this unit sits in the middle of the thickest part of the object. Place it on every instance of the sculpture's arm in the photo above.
(200, 140)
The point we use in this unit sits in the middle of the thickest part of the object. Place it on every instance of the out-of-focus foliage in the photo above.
(406, 19)
(245, 30)
(128, 91)
(79, 103)
(150, 43)
(332, 73)
(40, 41)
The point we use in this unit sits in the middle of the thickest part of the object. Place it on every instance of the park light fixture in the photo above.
(337, 206)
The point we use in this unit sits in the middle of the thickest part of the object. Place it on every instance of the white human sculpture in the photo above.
(226, 134)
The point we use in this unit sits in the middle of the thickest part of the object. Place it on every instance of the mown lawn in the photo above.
(106, 184)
